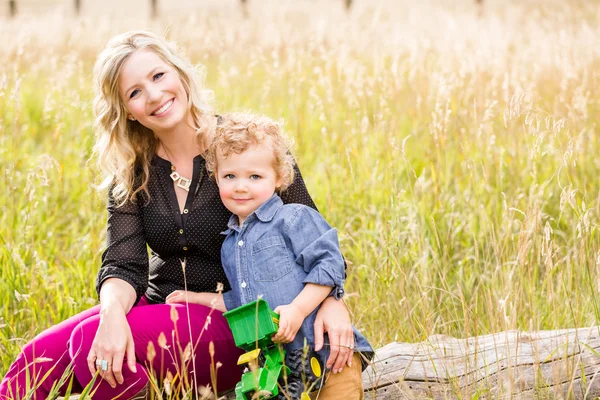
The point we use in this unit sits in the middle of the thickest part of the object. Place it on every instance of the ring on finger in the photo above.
(103, 364)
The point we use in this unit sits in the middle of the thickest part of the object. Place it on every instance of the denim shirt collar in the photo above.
(264, 213)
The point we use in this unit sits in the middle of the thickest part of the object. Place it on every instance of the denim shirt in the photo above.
(278, 249)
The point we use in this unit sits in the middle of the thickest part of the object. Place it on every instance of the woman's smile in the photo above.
(160, 112)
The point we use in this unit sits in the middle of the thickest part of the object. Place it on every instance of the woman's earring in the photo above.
(131, 119)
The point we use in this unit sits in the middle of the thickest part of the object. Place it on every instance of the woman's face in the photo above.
(152, 92)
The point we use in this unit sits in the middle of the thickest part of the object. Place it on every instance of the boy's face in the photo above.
(247, 180)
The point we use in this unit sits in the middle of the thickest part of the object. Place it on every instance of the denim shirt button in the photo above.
(241, 243)
(244, 284)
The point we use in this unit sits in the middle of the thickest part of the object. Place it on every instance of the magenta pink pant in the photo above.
(70, 341)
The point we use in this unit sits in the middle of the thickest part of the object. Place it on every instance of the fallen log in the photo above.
(556, 364)
(560, 364)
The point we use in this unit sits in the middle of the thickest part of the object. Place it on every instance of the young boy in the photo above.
(287, 254)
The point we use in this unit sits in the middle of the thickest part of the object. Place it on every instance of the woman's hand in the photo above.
(333, 318)
(112, 342)
(213, 300)
(182, 296)
(113, 338)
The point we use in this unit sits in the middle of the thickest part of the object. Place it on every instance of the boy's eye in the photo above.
(158, 75)
(229, 176)
(134, 93)
(254, 177)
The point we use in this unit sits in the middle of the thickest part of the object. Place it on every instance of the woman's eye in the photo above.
(229, 176)
(134, 93)
(254, 177)
(159, 75)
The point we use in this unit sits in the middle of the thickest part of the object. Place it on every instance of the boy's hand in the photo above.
(182, 296)
(290, 320)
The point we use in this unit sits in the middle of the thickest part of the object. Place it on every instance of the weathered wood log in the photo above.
(557, 364)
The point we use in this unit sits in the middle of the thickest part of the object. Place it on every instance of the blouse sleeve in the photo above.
(297, 192)
(126, 254)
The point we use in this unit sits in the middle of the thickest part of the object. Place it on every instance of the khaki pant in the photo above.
(346, 385)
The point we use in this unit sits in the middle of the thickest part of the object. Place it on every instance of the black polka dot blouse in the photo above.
(158, 226)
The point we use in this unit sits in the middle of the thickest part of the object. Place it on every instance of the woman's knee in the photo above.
(40, 363)
(44, 348)
(82, 337)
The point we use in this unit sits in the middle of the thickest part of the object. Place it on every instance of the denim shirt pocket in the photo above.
(270, 259)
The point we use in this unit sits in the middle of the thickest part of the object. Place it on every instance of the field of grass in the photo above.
(455, 149)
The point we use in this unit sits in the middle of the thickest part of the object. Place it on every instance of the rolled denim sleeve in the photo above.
(316, 247)
(230, 300)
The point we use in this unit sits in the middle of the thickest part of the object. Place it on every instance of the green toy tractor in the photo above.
(253, 325)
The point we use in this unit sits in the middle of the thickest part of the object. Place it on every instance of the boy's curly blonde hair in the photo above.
(238, 131)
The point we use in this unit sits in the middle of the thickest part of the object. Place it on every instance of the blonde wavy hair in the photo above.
(125, 148)
(238, 131)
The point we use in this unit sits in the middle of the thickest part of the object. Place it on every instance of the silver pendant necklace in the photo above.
(179, 180)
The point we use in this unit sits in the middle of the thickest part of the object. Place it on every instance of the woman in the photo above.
(154, 125)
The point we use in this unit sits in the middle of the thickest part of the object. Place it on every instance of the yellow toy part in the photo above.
(315, 366)
(304, 396)
(249, 356)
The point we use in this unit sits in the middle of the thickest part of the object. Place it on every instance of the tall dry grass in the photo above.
(455, 150)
